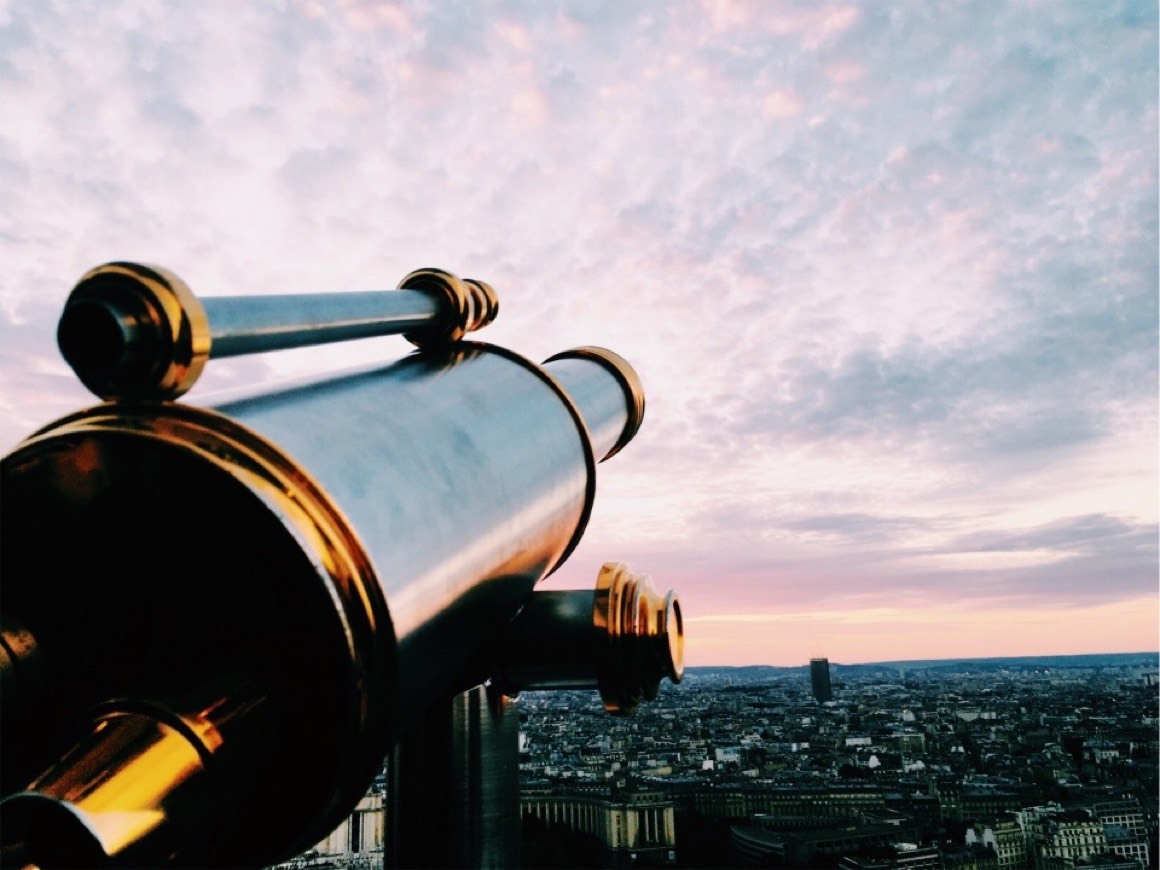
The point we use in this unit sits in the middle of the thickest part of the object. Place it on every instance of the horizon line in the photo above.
(951, 660)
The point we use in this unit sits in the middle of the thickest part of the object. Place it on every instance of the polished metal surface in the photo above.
(350, 547)
(467, 476)
(132, 331)
(623, 638)
(592, 377)
(253, 324)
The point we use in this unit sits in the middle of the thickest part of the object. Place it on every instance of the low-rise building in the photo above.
(636, 827)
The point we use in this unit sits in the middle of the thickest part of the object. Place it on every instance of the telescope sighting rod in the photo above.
(254, 324)
(132, 331)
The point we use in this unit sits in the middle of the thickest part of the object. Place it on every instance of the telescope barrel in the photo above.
(346, 549)
(134, 331)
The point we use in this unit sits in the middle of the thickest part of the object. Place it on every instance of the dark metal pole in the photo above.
(453, 794)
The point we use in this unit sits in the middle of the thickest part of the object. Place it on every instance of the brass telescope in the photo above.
(217, 622)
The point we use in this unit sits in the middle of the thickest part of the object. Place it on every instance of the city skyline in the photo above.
(888, 272)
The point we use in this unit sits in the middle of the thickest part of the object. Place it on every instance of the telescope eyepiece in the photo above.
(623, 638)
(134, 332)
(96, 336)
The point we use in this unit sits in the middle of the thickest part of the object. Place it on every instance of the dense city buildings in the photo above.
(1043, 764)
(999, 764)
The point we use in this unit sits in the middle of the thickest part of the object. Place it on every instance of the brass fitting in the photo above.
(621, 639)
(642, 637)
(143, 780)
(625, 375)
(131, 331)
(472, 305)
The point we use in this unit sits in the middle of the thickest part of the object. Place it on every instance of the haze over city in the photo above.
(888, 272)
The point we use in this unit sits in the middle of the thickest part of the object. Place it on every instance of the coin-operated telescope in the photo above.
(218, 621)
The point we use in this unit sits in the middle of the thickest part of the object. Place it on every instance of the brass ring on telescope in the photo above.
(629, 381)
(641, 637)
(456, 297)
(486, 302)
(132, 331)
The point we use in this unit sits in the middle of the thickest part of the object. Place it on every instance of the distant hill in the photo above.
(978, 665)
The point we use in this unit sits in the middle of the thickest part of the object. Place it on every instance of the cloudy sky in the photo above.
(888, 271)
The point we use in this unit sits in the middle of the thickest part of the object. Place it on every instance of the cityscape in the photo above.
(1043, 763)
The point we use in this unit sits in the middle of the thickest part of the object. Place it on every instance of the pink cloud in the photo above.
(514, 35)
(781, 104)
(845, 72)
(812, 25)
(531, 107)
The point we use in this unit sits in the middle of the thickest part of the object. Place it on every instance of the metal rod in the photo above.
(255, 324)
(132, 331)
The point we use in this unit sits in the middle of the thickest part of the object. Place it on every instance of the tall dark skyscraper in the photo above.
(820, 679)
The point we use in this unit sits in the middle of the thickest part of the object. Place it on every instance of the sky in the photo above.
(888, 271)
